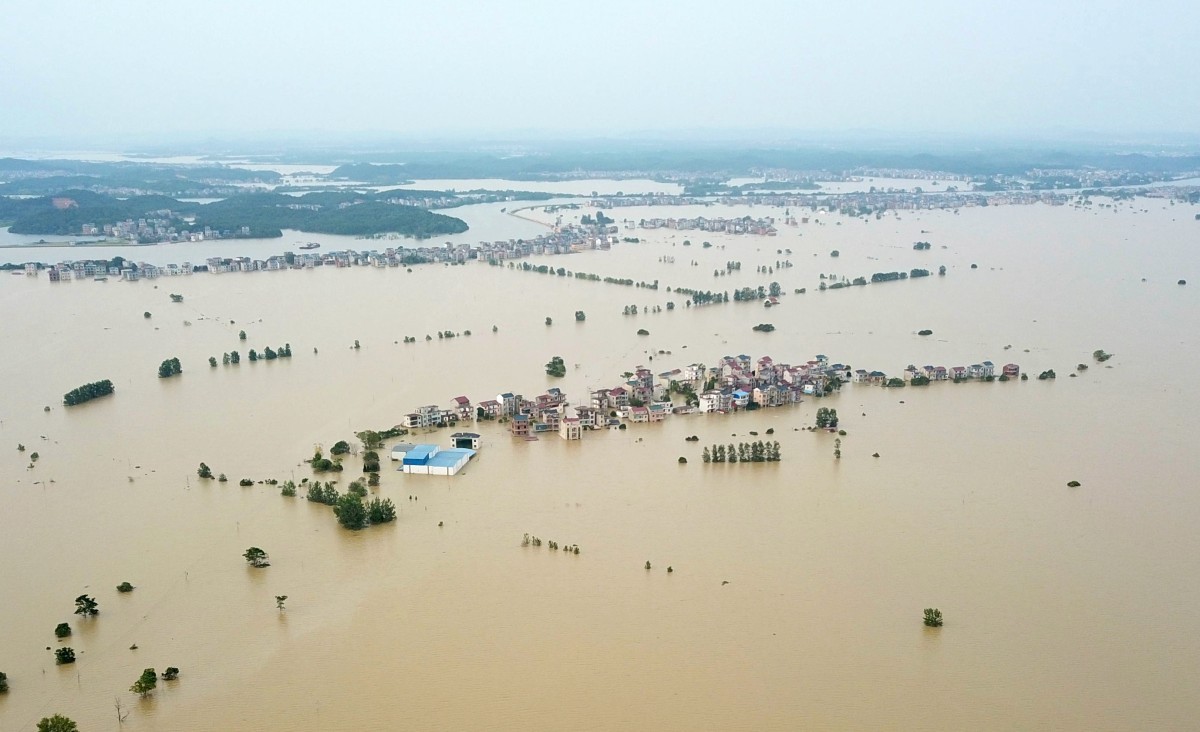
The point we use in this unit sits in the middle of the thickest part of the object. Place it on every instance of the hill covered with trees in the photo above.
(262, 214)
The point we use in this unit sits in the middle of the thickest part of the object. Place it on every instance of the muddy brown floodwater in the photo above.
(796, 596)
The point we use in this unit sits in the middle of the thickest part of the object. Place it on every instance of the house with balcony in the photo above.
(462, 408)
(710, 401)
(570, 429)
(428, 416)
(551, 416)
(510, 403)
(618, 397)
(589, 417)
(741, 398)
(520, 426)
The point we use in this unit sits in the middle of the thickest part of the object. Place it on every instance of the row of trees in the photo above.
(268, 354)
(758, 451)
(325, 493)
(702, 297)
(87, 392)
(749, 293)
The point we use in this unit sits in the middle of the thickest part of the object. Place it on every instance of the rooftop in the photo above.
(449, 458)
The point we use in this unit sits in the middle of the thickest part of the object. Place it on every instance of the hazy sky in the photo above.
(159, 68)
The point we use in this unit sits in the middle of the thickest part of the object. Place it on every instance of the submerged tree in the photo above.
(64, 655)
(57, 723)
(62, 630)
(87, 392)
(350, 512)
(256, 557)
(145, 683)
(371, 439)
(381, 511)
(169, 367)
(279, 600)
(86, 606)
(933, 617)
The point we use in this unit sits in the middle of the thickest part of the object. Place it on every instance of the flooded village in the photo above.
(974, 462)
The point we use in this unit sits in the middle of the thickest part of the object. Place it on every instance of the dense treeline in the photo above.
(43, 177)
(40, 216)
(265, 214)
(744, 452)
(87, 392)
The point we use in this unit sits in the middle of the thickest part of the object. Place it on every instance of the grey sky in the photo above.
(123, 68)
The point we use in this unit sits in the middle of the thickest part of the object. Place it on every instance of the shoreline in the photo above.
(67, 243)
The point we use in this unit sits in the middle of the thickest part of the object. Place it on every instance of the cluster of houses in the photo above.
(984, 370)
(102, 270)
(563, 240)
(856, 201)
(158, 227)
(745, 225)
(735, 383)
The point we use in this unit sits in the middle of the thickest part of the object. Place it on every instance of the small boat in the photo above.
(310, 245)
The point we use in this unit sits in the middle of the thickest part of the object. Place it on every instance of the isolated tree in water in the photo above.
(933, 617)
(86, 606)
(146, 683)
(257, 557)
